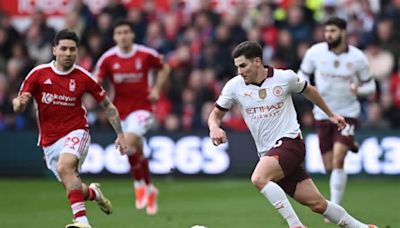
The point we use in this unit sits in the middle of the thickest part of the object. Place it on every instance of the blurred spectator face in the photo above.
(134, 15)
(285, 38)
(222, 33)
(66, 53)
(104, 21)
(334, 35)
(123, 36)
(171, 123)
(13, 68)
(384, 30)
(195, 79)
(254, 34)
(295, 15)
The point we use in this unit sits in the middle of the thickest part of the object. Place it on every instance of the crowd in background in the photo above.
(198, 43)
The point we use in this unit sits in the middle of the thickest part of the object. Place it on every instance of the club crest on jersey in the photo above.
(72, 85)
(262, 93)
(336, 63)
(349, 66)
(278, 91)
(138, 64)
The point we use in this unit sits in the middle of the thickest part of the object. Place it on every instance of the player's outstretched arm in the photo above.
(21, 101)
(113, 117)
(312, 94)
(217, 134)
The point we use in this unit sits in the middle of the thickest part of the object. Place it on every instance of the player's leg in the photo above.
(135, 157)
(67, 169)
(307, 194)
(264, 178)
(271, 174)
(94, 193)
(136, 125)
(343, 141)
(338, 180)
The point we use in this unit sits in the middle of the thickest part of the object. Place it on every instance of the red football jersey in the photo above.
(58, 99)
(129, 74)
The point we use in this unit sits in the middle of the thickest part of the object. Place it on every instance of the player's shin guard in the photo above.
(340, 217)
(277, 197)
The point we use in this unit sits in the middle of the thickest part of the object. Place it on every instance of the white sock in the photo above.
(278, 199)
(339, 216)
(82, 219)
(337, 184)
(139, 183)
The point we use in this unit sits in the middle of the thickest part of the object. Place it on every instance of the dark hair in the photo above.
(249, 49)
(339, 22)
(66, 34)
(121, 22)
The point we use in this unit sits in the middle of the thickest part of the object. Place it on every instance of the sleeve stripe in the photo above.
(305, 86)
(367, 80)
(306, 73)
(221, 108)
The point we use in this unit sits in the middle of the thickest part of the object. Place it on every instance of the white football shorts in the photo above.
(138, 122)
(76, 142)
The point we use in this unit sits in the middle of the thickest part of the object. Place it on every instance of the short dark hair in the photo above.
(121, 22)
(249, 49)
(66, 34)
(339, 22)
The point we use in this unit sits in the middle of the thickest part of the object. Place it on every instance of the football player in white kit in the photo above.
(264, 98)
(341, 74)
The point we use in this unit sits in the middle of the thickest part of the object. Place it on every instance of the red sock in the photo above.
(145, 170)
(77, 202)
(91, 194)
(136, 169)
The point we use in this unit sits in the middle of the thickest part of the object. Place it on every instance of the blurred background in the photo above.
(196, 38)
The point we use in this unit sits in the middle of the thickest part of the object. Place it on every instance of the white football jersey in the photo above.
(267, 109)
(333, 75)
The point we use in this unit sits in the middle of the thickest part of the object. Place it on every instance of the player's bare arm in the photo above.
(21, 101)
(312, 94)
(217, 134)
(162, 77)
(115, 121)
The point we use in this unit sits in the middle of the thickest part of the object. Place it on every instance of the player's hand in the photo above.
(218, 136)
(121, 145)
(154, 95)
(354, 89)
(338, 120)
(21, 101)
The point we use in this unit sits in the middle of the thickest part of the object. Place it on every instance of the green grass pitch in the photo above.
(183, 202)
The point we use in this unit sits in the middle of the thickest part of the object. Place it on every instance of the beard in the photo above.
(334, 43)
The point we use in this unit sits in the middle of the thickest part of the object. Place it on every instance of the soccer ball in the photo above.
(198, 226)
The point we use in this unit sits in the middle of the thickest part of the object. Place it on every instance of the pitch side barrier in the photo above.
(191, 154)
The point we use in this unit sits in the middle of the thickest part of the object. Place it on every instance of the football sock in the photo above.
(278, 199)
(338, 215)
(136, 166)
(337, 184)
(145, 170)
(77, 205)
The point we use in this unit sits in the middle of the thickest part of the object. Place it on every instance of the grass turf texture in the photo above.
(215, 203)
